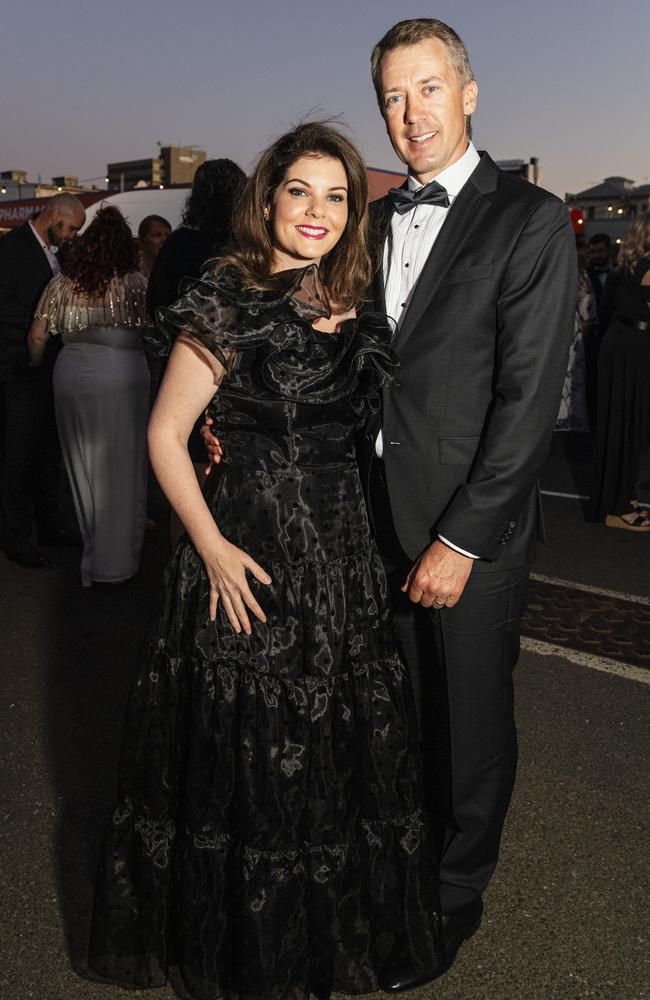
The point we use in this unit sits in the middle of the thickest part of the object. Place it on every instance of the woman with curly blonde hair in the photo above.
(623, 414)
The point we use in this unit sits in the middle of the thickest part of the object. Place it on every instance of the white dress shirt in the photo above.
(413, 236)
(49, 251)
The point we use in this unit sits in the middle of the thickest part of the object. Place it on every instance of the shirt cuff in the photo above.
(457, 548)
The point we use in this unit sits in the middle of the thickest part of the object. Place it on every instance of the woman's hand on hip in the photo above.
(226, 566)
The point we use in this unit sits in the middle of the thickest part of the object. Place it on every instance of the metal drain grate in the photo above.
(604, 626)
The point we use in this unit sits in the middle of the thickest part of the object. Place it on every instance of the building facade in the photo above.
(175, 165)
(15, 186)
(611, 206)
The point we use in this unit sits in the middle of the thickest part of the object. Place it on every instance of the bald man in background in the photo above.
(31, 460)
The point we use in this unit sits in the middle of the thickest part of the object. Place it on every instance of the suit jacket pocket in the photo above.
(457, 450)
(473, 272)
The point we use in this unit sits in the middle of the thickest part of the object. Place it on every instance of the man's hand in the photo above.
(212, 445)
(438, 578)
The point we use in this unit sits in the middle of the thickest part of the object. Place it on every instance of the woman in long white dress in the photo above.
(97, 304)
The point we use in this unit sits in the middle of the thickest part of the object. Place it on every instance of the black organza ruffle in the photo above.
(299, 363)
(269, 839)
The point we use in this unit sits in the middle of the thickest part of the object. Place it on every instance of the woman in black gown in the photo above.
(269, 840)
(623, 402)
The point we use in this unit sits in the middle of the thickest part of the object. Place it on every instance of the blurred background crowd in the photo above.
(76, 295)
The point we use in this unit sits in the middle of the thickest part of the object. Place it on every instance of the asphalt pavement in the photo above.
(567, 911)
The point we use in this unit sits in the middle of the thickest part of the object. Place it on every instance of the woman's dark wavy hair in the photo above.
(346, 269)
(106, 250)
(216, 188)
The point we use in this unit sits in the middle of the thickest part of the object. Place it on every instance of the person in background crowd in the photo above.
(600, 264)
(32, 459)
(152, 233)
(101, 391)
(204, 234)
(579, 387)
(623, 421)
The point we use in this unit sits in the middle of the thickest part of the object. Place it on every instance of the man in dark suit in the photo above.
(31, 454)
(600, 265)
(478, 271)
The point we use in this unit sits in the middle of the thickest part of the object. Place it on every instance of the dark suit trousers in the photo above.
(32, 457)
(461, 662)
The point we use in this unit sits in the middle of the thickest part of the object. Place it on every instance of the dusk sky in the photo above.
(84, 84)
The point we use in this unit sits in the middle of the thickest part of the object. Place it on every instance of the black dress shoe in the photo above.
(396, 975)
(27, 556)
(459, 927)
(48, 537)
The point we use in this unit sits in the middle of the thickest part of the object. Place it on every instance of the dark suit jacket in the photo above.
(24, 273)
(483, 348)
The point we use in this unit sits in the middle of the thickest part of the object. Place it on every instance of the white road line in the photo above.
(587, 660)
(564, 496)
(634, 598)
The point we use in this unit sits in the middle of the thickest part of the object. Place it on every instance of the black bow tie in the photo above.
(431, 194)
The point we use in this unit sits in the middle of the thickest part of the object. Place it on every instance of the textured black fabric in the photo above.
(270, 838)
(623, 401)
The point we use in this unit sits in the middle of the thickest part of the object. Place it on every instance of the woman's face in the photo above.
(308, 211)
(153, 241)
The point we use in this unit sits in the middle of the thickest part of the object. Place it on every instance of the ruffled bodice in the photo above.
(280, 368)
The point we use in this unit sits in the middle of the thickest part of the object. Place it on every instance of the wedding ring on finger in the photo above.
(438, 606)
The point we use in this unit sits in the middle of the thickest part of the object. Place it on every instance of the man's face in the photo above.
(599, 254)
(63, 226)
(424, 107)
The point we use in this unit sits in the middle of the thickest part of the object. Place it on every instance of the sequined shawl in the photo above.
(69, 311)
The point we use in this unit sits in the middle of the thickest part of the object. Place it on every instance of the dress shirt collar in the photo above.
(45, 246)
(453, 177)
(49, 251)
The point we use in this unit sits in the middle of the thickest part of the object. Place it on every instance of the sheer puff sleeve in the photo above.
(297, 362)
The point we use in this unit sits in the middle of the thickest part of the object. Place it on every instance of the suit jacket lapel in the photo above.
(463, 217)
(35, 251)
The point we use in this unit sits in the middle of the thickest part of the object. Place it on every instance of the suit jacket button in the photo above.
(394, 442)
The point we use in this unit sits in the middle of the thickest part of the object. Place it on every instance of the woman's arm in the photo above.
(193, 374)
(37, 338)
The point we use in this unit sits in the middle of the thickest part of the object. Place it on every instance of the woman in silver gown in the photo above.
(101, 391)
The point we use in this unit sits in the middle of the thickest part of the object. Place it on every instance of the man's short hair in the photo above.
(64, 202)
(600, 238)
(412, 32)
